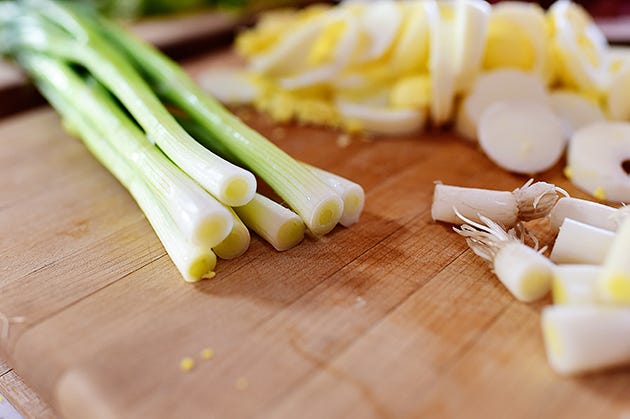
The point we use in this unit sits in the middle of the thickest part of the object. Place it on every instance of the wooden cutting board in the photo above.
(392, 317)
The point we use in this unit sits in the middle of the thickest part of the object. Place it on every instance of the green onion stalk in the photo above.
(200, 217)
(93, 72)
(193, 261)
(319, 206)
(352, 193)
(56, 29)
(236, 242)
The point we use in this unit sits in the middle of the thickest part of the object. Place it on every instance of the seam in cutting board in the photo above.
(328, 363)
(472, 342)
(326, 278)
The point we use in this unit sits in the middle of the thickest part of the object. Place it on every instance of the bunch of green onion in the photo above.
(114, 92)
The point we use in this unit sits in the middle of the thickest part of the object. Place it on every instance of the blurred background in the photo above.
(599, 8)
(135, 8)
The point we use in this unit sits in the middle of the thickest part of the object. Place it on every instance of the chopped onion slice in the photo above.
(595, 158)
(381, 120)
(494, 86)
(522, 136)
(229, 85)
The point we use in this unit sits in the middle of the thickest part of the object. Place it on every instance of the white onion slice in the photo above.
(382, 120)
(229, 85)
(583, 338)
(494, 86)
(522, 136)
(619, 96)
(441, 62)
(595, 157)
(342, 55)
(582, 46)
(471, 24)
(380, 21)
(575, 110)
(285, 57)
(530, 20)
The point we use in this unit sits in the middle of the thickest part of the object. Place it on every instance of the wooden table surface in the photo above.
(393, 317)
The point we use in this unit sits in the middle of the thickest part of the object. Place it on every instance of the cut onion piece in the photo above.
(472, 203)
(595, 158)
(380, 21)
(522, 136)
(229, 85)
(284, 58)
(441, 60)
(583, 338)
(470, 26)
(618, 58)
(575, 284)
(581, 243)
(575, 110)
(614, 282)
(589, 212)
(581, 47)
(411, 50)
(289, 62)
(498, 85)
(618, 97)
(382, 120)
(341, 55)
(518, 38)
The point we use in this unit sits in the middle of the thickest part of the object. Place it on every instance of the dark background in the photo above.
(598, 8)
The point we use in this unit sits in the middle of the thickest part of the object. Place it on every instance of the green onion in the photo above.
(279, 226)
(351, 193)
(200, 217)
(317, 204)
(102, 97)
(194, 262)
(77, 41)
(236, 243)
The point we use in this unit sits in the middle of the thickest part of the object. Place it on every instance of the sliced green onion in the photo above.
(575, 284)
(317, 204)
(194, 262)
(236, 243)
(200, 217)
(614, 281)
(231, 184)
(351, 193)
(586, 338)
(279, 226)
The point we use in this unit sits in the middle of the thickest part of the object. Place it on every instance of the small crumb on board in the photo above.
(241, 384)
(187, 364)
(206, 353)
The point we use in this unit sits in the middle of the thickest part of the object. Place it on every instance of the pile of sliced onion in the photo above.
(518, 79)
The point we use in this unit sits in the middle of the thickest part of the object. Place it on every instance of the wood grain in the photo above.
(4, 367)
(392, 317)
(27, 402)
